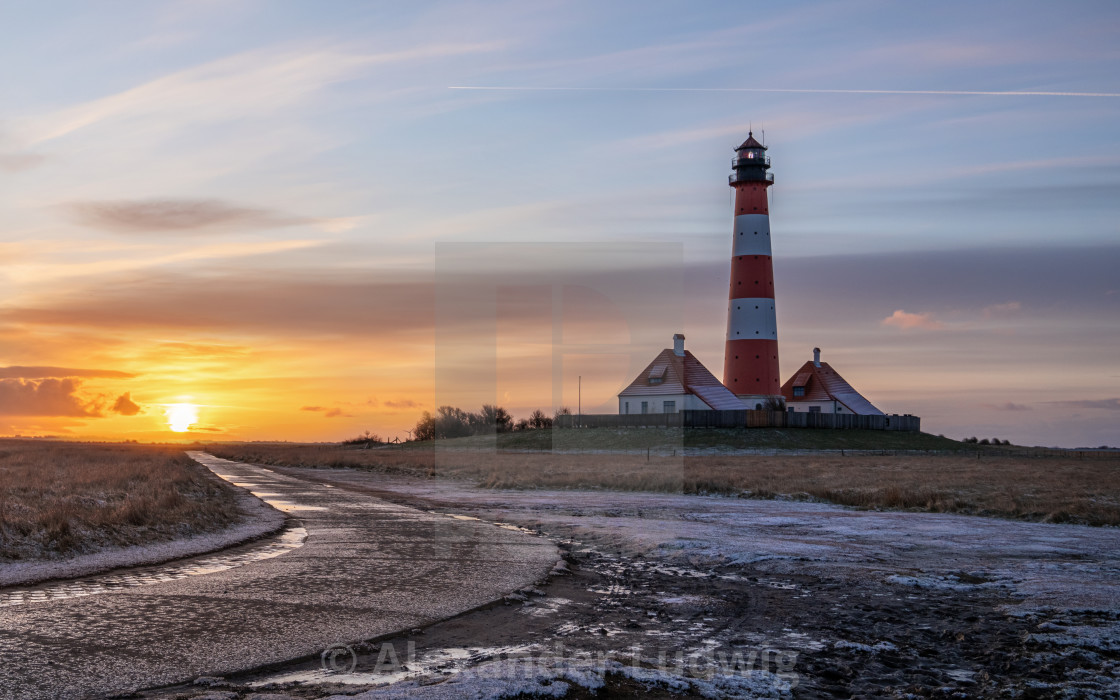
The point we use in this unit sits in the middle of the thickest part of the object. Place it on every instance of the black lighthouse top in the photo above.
(750, 163)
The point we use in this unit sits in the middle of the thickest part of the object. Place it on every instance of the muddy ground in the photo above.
(823, 637)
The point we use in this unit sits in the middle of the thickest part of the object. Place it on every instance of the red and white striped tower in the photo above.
(750, 361)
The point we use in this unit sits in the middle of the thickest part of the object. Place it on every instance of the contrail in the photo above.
(1000, 93)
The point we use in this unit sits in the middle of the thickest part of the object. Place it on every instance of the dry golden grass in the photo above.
(71, 498)
(1052, 489)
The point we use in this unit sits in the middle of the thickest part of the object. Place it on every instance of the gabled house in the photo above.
(676, 381)
(816, 387)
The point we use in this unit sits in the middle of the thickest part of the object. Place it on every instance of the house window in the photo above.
(790, 409)
(669, 407)
(798, 391)
(655, 380)
(645, 407)
(814, 409)
(838, 409)
(627, 406)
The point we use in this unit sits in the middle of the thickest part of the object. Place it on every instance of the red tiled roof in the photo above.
(751, 142)
(825, 384)
(683, 375)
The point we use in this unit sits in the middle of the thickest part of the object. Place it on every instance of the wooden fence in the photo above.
(742, 419)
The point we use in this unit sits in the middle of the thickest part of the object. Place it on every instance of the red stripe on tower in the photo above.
(750, 361)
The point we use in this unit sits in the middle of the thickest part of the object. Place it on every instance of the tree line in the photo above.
(453, 422)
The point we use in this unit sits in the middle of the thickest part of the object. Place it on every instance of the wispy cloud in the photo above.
(810, 91)
(327, 412)
(17, 372)
(997, 310)
(178, 215)
(1009, 406)
(908, 321)
(1104, 404)
(403, 403)
(16, 162)
(251, 83)
(33, 273)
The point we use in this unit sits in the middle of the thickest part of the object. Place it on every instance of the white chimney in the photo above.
(816, 357)
(678, 345)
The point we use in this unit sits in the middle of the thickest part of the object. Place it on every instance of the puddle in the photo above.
(288, 506)
(393, 664)
(291, 538)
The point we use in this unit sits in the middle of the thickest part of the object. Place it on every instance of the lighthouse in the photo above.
(750, 361)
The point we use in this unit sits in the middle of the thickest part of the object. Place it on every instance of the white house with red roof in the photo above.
(816, 387)
(676, 381)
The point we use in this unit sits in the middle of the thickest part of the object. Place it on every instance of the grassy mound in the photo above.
(62, 499)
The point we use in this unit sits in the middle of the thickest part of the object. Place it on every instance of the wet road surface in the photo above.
(367, 568)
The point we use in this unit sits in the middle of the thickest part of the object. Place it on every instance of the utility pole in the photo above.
(579, 402)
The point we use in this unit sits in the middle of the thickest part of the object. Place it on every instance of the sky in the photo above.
(300, 221)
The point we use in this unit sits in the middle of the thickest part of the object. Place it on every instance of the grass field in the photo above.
(667, 440)
(1009, 485)
(60, 499)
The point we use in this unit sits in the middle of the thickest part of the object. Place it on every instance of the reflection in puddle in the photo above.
(404, 663)
(291, 538)
(288, 506)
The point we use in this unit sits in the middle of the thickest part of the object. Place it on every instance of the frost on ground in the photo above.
(1040, 564)
(901, 595)
(545, 677)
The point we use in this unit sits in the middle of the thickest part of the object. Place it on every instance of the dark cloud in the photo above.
(1106, 404)
(404, 403)
(1066, 280)
(17, 372)
(125, 406)
(298, 303)
(393, 306)
(45, 397)
(327, 412)
(177, 215)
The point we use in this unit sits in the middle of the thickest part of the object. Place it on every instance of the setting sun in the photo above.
(181, 416)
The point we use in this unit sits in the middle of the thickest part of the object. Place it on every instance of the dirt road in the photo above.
(367, 568)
